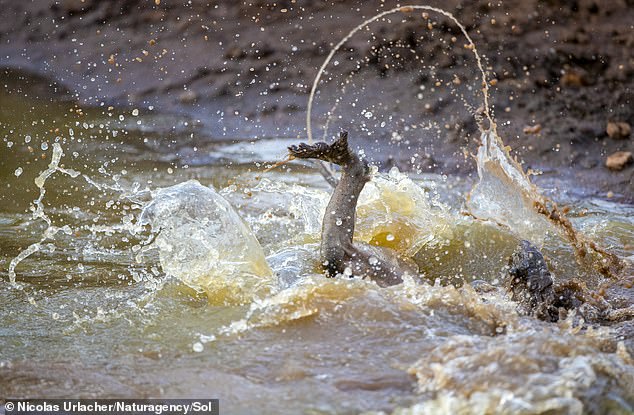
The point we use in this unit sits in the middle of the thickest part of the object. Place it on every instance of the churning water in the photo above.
(150, 265)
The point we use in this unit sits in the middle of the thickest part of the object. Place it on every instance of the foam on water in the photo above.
(535, 371)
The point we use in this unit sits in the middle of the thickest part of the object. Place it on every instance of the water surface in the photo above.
(94, 313)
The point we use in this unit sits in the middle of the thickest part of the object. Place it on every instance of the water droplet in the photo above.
(373, 260)
(135, 112)
(198, 347)
(18, 171)
(44, 146)
(368, 114)
(389, 237)
(339, 222)
(27, 139)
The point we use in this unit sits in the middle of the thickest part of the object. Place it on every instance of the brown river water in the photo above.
(224, 298)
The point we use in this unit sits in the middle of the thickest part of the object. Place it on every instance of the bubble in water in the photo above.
(198, 347)
(203, 242)
(44, 146)
(27, 139)
(18, 172)
(389, 237)
(339, 222)
(135, 112)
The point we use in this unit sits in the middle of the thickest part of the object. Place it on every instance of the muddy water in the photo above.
(106, 308)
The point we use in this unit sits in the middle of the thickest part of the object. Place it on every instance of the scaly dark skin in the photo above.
(531, 284)
(338, 252)
(532, 287)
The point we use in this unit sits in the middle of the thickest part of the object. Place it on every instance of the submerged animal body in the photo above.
(529, 280)
(339, 254)
(532, 286)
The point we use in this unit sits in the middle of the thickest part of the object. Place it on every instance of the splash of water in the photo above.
(395, 212)
(392, 211)
(402, 9)
(39, 213)
(203, 242)
(504, 195)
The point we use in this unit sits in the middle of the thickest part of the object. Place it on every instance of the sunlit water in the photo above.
(106, 308)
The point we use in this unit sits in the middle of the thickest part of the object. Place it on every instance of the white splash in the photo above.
(203, 242)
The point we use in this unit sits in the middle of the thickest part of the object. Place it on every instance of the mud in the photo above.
(242, 70)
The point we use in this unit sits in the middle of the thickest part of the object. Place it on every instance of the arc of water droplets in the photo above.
(401, 9)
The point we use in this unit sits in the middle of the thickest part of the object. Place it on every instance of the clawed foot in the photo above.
(308, 151)
(337, 152)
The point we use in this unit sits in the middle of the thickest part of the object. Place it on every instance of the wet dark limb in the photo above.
(338, 252)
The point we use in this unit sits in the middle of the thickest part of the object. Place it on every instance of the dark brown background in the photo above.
(569, 66)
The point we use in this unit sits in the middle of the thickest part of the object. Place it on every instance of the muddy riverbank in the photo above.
(242, 70)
